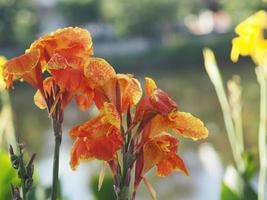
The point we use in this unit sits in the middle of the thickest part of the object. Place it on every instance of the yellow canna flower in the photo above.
(2, 82)
(250, 40)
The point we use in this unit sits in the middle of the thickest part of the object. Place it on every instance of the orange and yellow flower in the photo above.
(250, 40)
(64, 54)
(156, 147)
(99, 138)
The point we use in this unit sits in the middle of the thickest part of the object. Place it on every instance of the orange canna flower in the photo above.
(156, 147)
(99, 138)
(64, 54)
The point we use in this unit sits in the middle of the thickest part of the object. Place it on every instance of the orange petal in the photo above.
(22, 64)
(85, 100)
(25, 67)
(172, 162)
(79, 153)
(99, 71)
(131, 91)
(68, 79)
(152, 155)
(105, 148)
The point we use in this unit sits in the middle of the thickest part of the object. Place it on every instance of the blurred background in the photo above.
(162, 39)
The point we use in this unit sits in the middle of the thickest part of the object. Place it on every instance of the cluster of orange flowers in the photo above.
(130, 130)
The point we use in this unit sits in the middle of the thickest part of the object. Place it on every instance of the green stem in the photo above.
(229, 125)
(57, 126)
(262, 139)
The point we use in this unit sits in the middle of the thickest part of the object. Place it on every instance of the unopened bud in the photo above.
(28, 184)
(15, 161)
(30, 169)
(15, 193)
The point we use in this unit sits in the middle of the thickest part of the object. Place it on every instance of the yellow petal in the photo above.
(150, 86)
(39, 100)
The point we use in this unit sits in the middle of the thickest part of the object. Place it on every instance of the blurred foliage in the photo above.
(18, 22)
(7, 176)
(141, 17)
(80, 11)
(246, 6)
(106, 191)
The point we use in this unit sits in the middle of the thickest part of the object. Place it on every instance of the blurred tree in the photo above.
(141, 17)
(18, 22)
(246, 6)
(80, 11)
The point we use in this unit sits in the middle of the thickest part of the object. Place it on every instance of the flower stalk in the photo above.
(235, 137)
(57, 127)
(262, 133)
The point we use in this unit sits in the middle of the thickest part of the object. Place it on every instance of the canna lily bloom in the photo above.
(166, 115)
(250, 40)
(99, 138)
(64, 54)
(3, 60)
(156, 147)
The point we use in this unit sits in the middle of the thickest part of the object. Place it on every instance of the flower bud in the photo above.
(28, 184)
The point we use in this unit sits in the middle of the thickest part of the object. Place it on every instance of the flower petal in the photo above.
(180, 122)
(99, 71)
(150, 86)
(39, 100)
(172, 162)
(22, 64)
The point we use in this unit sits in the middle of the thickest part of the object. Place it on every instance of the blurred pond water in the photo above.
(193, 92)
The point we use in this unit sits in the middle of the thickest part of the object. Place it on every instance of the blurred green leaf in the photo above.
(250, 166)
(227, 193)
(106, 192)
(235, 187)
(7, 176)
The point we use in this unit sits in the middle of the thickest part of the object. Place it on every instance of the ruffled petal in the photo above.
(182, 123)
(25, 67)
(99, 71)
(172, 162)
